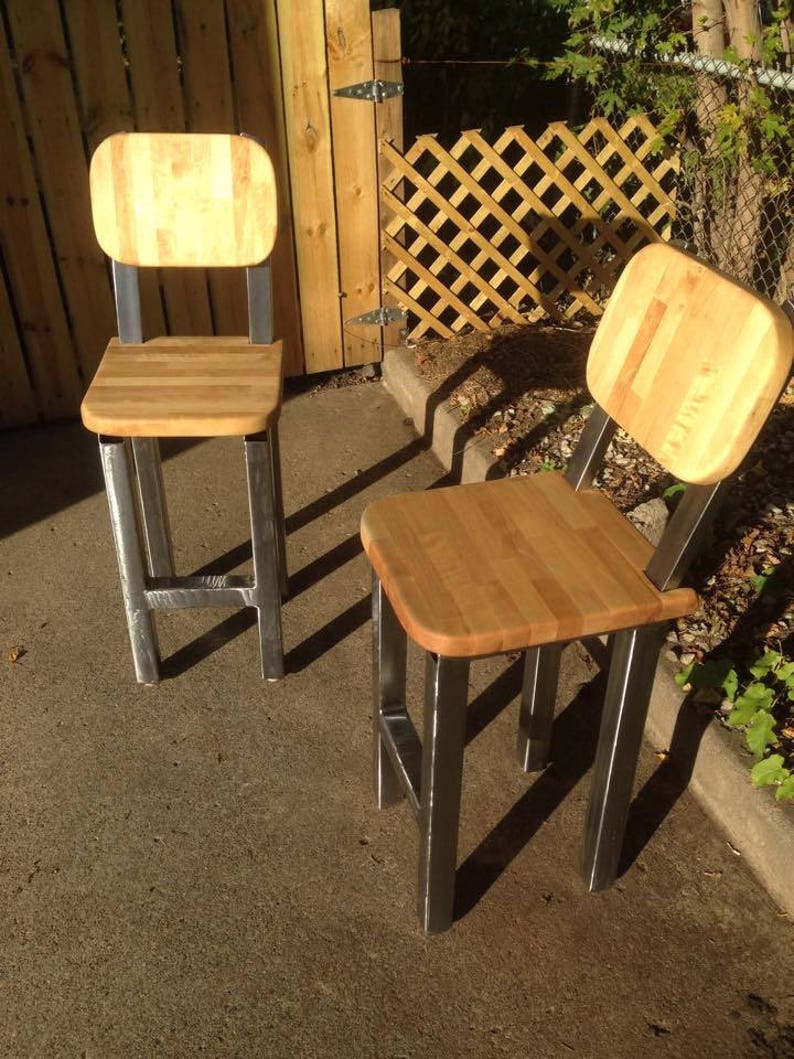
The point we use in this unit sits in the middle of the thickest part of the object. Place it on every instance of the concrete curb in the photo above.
(707, 758)
(469, 459)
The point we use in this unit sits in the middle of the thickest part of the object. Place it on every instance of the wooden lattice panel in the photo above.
(484, 233)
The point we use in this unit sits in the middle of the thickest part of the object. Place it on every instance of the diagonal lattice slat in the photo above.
(516, 229)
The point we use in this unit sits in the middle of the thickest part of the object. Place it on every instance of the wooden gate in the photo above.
(482, 233)
(72, 73)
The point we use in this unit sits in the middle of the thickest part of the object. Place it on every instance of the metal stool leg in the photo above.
(628, 693)
(278, 499)
(389, 651)
(541, 672)
(154, 513)
(267, 588)
(116, 457)
(442, 771)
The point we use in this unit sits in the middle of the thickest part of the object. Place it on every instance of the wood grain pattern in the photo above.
(185, 387)
(54, 125)
(501, 566)
(106, 106)
(689, 362)
(32, 278)
(253, 47)
(17, 401)
(307, 115)
(183, 199)
(159, 107)
(387, 52)
(350, 60)
(209, 105)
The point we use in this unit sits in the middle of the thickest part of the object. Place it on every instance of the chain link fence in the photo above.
(731, 133)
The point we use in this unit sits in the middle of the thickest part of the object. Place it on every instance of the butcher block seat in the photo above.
(476, 570)
(185, 387)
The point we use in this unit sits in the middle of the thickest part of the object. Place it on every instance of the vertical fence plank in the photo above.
(159, 107)
(350, 61)
(387, 48)
(253, 41)
(305, 86)
(17, 403)
(106, 106)
(28, 256)
(63, 171)
(209, 108)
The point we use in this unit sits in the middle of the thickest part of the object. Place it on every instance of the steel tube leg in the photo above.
(278, 496)
(267, 587)
(628, 693)
(389, 651)
(539, 693)
(442, 771)
(116, 460)
(154, 513)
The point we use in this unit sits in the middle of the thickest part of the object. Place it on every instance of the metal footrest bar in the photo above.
(176, 593)
(405, 752)
(140, 529)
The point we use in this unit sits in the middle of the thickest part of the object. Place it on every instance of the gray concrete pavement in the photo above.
(199, 869)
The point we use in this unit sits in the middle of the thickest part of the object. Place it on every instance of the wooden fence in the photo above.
(468, 236)
(73, 72)
(484, 233)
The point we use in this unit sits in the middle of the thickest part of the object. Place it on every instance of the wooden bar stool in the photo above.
(162, 199)
(688, 362)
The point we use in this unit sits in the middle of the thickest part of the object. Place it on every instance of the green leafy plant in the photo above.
(734, 136)
(752, 708)
(674, 491)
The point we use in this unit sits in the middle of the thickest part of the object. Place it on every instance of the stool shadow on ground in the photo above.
(310, 649)
(572, 754)
(45, 469)
(574, 739)
(659, 794)
(487, 706)
(358, 613)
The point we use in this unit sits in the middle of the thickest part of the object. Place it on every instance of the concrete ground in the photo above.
(199, 868)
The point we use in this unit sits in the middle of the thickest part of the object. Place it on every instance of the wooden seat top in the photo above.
(501, 566)
(185, 387)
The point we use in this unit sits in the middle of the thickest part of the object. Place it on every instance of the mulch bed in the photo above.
(524, 389)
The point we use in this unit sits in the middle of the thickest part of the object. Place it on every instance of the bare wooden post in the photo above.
(387, 47)
(256, 63)
(308, 123)
(349, 40)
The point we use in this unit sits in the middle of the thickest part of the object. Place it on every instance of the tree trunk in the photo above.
(744, 30)
(708, 27)
(708, 214)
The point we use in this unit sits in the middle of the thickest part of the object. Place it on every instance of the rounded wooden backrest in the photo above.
(689, 362)
(184, 199)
